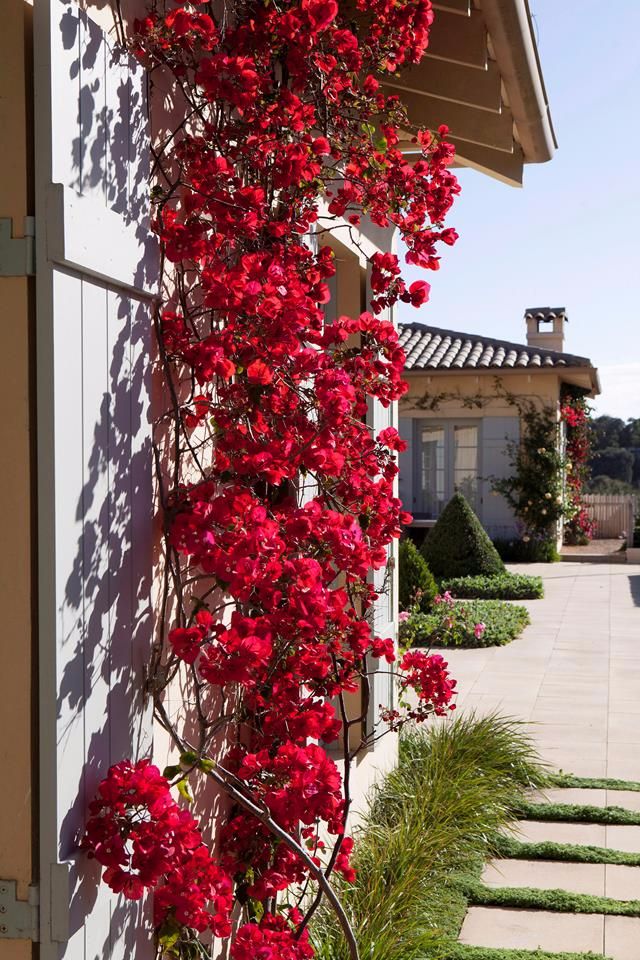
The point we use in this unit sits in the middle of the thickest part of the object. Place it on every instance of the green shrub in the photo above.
(527, 551)
(503, 622)
(458, 545)
(429, 823)
(503, 586)
(417, 586)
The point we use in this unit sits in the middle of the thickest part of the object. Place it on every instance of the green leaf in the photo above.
(171, 772)
(169, 933)
(184, 791)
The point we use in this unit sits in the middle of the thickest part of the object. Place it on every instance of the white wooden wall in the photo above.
(96, 272)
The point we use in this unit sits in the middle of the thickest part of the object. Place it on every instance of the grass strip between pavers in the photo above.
(591, 783)
(512, 849)
(462, 951)
(557, 901)
(578, 813)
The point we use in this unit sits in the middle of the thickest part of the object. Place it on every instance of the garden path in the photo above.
(574, 674)
(574, 677)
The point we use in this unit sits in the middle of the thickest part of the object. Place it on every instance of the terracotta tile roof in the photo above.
(430, 348)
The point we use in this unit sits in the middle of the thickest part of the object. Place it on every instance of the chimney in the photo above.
(545, 327)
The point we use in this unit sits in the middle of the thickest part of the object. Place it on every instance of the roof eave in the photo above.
(511, 30)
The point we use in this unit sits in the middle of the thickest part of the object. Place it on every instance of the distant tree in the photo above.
(607, 432)
(614, 462)
(608, 487)
(630, 436)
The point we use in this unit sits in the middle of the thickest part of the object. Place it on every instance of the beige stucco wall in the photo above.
(16, 393)
(477, 396)
(542, 386)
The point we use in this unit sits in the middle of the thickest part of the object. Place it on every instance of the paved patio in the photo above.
(574, 674)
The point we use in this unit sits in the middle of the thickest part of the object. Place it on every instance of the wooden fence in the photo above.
(614, 515)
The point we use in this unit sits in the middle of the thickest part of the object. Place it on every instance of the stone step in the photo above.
(615, 937)
(628, 799)
(616, 837)
(598, 879)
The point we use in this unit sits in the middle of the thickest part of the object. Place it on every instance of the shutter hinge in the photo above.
(19, 919)
(17, 254)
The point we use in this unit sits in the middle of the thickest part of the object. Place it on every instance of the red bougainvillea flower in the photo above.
(278, 500)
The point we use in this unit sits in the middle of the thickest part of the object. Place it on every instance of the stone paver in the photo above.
(574, 674)
(539, 831)
(622, 937)
(578, 795)
(529, 929)
(623, 838)
(629, 799)
(574, 677)
(622, 883)
(549, 875)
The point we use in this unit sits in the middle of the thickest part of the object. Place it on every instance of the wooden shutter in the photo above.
(96, 272)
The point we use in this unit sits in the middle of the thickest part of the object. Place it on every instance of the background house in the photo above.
(77, 584)
(456, 420)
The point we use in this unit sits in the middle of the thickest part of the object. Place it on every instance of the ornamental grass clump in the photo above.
(429, 824)
(458, 545)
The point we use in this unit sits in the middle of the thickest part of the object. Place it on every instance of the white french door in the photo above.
(446, 461)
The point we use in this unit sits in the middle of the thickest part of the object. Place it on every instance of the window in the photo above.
(447, 462)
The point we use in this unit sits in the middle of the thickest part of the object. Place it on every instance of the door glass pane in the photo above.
(465, 462)
(432, 476)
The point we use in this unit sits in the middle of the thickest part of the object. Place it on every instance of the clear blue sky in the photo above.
(571, 236)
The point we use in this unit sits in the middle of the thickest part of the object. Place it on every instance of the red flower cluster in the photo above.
(575, 413)
(272, 939)
(280, 500)
(145, 840)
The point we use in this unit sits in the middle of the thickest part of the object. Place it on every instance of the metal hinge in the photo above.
(19, 919)
(17, 254)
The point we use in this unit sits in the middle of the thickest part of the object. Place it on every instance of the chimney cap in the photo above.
(546, 313)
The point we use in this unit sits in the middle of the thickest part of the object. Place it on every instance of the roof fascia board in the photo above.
(509, 25)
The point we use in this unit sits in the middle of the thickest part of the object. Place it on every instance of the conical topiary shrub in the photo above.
(417, 586)
(458, 545)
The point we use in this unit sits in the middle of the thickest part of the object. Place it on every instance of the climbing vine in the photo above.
(576, 415)
(535, 489)
(277, 499)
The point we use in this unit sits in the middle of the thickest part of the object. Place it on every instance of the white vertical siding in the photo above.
(96, 265)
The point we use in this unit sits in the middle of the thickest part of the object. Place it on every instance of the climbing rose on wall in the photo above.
(279, 501)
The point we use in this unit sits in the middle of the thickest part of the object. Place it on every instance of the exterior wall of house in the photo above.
(349, 296)
(470, 396)
(16, 392)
